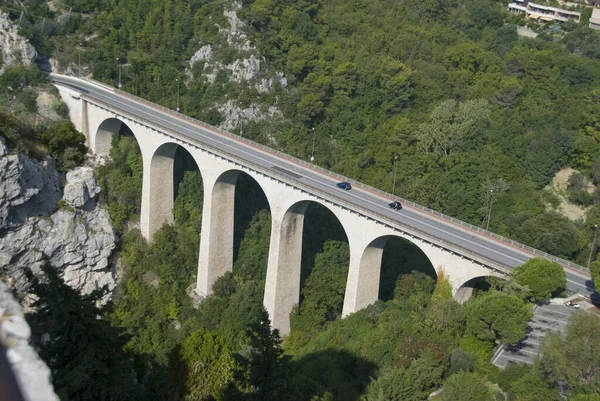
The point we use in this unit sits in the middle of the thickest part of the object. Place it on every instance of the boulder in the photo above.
(27, 188)
(81, 186)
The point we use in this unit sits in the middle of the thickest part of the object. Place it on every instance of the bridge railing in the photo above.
(523, 247)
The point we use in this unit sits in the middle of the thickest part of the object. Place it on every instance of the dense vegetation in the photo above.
(37, 139)
(403, 348)
(443, 96)
(440, 97)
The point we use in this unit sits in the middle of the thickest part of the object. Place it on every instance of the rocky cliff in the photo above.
(248, 71)
(14, 49)
(32, 374)
(39, 225)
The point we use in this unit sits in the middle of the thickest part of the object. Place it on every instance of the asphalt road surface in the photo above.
(440, 231)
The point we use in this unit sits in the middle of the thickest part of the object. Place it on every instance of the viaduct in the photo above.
(465, 253)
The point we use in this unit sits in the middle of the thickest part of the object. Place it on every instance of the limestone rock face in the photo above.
(15, 49)
(27, 188)
(248, 70)
(32, 374)
(81, 186)
(76, 238)
(3, 149)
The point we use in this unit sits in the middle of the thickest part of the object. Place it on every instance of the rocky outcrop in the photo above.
(249, 69)
(72, 235)
(31, 373)
(14, 49)
(27, 188)
(81, 186)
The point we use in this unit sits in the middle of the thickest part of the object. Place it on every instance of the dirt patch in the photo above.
(45, 102)
(559, 188)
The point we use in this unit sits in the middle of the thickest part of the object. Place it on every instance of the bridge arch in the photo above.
(107, 130)
(285, 273)
(399, 256)
(218, 235)
(465, 291)
(167, 165)
(366, 285)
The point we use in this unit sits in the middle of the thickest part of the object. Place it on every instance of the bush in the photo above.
(465, 386)
(544, 278)
(65, 144)
(461, 361)
(577, 189)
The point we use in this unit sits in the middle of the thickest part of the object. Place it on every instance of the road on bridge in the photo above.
(444, 232)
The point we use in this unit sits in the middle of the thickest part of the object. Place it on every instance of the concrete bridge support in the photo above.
(282, 288)
(362, 287)
(216, 239)
(160, 188)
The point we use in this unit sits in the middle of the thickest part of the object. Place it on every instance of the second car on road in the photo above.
(395, 205)
(344, 185)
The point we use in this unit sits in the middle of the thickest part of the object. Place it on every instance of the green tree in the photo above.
(84, 353)
(498, 317)
(208, 367)
(533, 386)
(573, 362)
(395, 386)
(543, 277)
(585, 397)
(578, 190)
(65, 144)
(595, 271)
(324, 289)
(465, 386)
(552, 233)
(451, 125)
(461, 361)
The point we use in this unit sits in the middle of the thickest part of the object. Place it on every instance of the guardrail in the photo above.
(295, 160)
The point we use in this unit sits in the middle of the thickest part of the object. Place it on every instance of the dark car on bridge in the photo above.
(396, 205)
(344, 185)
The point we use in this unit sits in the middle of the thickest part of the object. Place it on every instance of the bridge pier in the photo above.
(282, 287)
(216, 238)
(364, 272)
(161, 188)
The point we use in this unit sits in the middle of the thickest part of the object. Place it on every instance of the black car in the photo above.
(395, 205)
(344, 185)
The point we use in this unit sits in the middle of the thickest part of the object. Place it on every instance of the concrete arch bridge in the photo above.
(463, 252)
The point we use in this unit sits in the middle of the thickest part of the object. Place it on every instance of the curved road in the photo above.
(474, 245)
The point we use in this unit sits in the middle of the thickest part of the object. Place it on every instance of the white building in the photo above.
(543, 13)
(595, 19)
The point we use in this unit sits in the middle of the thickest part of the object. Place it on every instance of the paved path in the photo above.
(546, 318)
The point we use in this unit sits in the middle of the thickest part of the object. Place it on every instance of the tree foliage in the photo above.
(84, 353)
(466, 386)
(498, 317)
(544, 279)
(573, 362)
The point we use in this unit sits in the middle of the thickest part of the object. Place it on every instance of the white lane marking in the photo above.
(174, 121)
